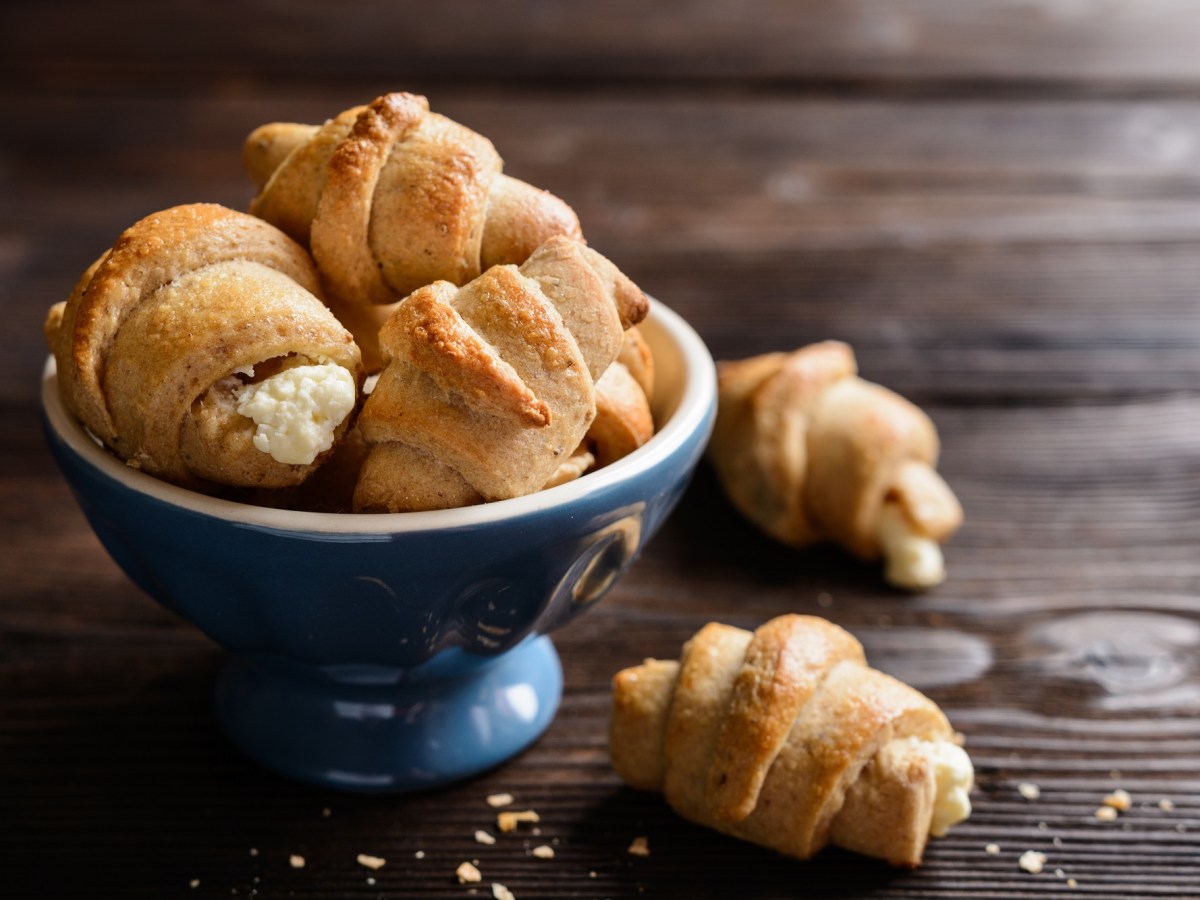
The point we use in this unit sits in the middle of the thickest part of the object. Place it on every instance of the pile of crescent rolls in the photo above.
(396, 325)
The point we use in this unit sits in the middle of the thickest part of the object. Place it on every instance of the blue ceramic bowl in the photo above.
(394, 652)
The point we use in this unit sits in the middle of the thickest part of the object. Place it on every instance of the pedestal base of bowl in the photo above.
(371, 729)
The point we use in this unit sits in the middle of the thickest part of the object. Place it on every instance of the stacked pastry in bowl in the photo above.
(228, 351)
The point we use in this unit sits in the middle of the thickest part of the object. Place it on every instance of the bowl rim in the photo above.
(696, 403)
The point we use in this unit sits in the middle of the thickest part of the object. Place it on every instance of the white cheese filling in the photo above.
(298, 410)
(954, 775)
(911, 560)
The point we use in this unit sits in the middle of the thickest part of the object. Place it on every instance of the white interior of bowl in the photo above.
(685, 385)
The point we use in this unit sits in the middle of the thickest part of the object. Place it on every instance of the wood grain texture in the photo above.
(1080, 42)
(1023, 262)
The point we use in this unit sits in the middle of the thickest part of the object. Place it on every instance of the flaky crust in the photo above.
(391, 197)
(185, 299)
(808, 451)
(784, 737)
(491, 386)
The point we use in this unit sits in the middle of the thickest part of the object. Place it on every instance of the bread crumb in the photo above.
(1166, 805)
(495, 801)
(1057, 841)
(824, 600)
(1106, 814)
(420, 854)
(1059, 873)
(254, 851)
(468, 874)
(1029, 790)
(508, 821)
(1072, 883)
(591, 874)
(543, 852)
(371, 862)
(1118, 799)
(370, 880)
(1032, 861)
(326, 812)
(500, 892)
(194, 883)
(992, 849)
(640, 846)
(296, 861)
(1042, 826)
(482, 837)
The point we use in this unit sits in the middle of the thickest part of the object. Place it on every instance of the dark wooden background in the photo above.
(997, 204)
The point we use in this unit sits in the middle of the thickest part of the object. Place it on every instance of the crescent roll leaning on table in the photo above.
(487, 388)
(786, 738)
(197, 349)
(809, 451)
(391, 197)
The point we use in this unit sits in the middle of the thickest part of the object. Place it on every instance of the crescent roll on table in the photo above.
(785, 737)
(809, 451)
(488, 388)
(391, 197)
(197, 349)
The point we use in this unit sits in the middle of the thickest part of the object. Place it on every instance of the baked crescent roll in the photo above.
(391, 197)
(623, 421)
(197, 349)
(488, 388)
(808, 451)
(785, 737)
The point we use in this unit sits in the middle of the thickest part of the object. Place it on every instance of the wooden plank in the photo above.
(1122, 42)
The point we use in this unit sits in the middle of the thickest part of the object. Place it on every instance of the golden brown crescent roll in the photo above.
(623, 421)
(785, 737)
(197, 349)
(809, 451)
(488, 388)
(391, 197)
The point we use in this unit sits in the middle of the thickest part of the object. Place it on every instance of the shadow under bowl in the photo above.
(394, 652)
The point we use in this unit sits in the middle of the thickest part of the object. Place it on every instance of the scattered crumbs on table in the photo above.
(543, 851)
(1106, 813)
(482, 837)
(468, 874)
(1072, 883)
(1029, 790)
(1042, 826)
(508, 821)
(1181, 828)
(370, 879)
(1059, 873)
(500, 892)
(296, 861)
(536, 832)
(992, 849)
(420, 854)
(495, 801)
(824, 600)
(640, 846)
(194, 883)
(254, 851)
(326, 812)
(1032, 861)
(1119, 800)
(371, 862)
(1057, 841)
(1166, 805)
(591, 874)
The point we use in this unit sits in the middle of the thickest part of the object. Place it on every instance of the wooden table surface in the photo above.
(997, 204)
